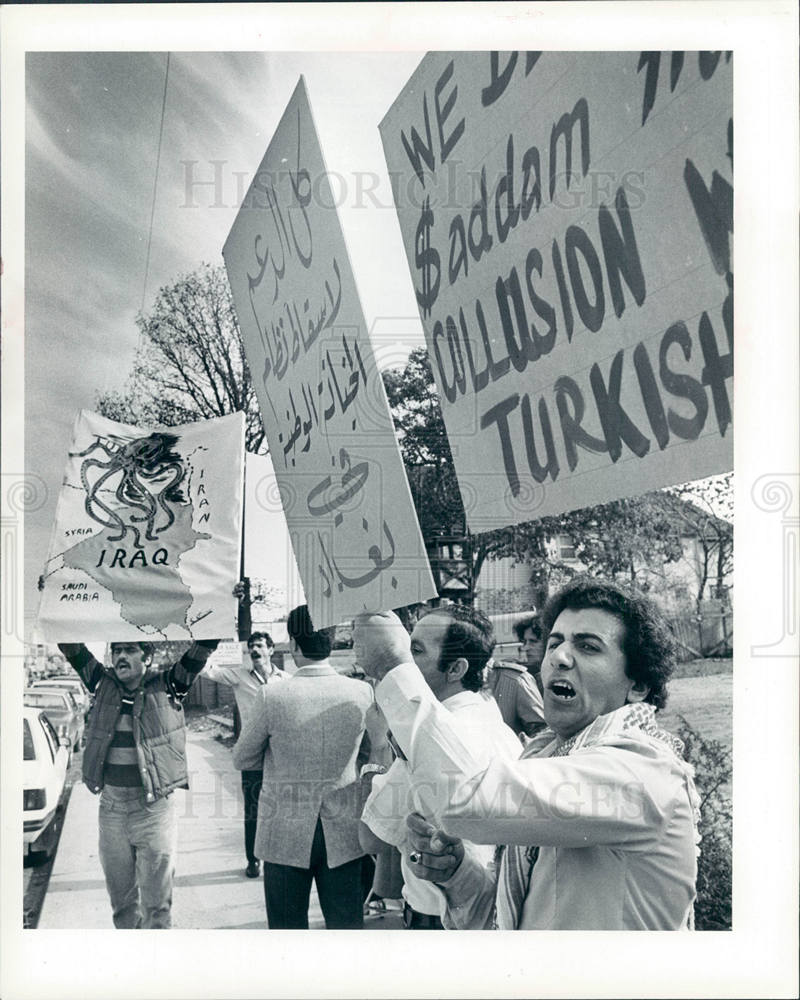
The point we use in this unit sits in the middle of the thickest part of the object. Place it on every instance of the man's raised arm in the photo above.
(183, 673)
(83, 663)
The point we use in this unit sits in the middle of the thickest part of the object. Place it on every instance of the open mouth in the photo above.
(562, 689)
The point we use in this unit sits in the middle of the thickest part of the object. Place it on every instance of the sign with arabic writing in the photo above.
(351, 519)
(567, 218)
(147, 536)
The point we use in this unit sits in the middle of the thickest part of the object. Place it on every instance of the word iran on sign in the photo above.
(147, 538)
(567, 219)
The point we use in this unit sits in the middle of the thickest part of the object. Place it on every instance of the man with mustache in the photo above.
(307, 731)
(135, 757)
(600, 823)
(246, 682)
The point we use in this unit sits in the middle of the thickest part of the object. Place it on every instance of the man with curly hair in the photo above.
(600, 822)
(528, 631)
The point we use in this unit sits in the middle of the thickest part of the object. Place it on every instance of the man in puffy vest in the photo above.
(135, 756)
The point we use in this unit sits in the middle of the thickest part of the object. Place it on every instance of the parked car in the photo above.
(62, 711)
(72, 684)
(45, 758)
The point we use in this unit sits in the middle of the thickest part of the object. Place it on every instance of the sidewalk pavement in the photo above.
(211, 890)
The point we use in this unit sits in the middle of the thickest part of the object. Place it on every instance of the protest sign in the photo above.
(567, 218)
(343, 487)
(147, 536)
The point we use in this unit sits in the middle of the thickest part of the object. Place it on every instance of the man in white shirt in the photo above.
(601, 824)
(247, 681)
(450, 646)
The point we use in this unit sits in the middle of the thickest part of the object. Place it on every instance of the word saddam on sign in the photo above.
(577, 322)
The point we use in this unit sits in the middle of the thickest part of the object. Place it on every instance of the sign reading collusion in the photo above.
(567, 221)
(342, 484)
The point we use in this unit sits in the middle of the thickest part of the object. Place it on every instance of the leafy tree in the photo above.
(627, 538)
(190, 364)
(419, 424)
(267, 596)
(418, 420)
(712, 764)
(631, 539)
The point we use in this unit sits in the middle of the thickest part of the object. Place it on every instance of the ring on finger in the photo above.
(415, 857)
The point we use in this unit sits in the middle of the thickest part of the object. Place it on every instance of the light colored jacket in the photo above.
(309, 729)
(392, 798)
(517, 697)
(615, 819)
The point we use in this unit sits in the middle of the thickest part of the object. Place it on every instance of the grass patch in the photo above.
(703, 668)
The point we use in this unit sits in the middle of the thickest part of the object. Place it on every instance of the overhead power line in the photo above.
(155, 185)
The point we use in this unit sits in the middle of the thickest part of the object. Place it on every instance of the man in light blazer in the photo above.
(309, 730)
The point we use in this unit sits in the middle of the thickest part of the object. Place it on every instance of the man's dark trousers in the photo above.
(288, 889)
(251, 789)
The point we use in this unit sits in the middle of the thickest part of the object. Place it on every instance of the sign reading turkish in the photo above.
(147, 537)
(351, 519)
(567, 218)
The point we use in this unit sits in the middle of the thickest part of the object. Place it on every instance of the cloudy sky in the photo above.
(92, 127)
(92, 121)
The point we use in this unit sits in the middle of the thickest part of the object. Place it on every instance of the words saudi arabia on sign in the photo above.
(567, 221)
(343, 487)
(147, 536)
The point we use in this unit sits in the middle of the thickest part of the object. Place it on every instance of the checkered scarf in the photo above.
(517, 861)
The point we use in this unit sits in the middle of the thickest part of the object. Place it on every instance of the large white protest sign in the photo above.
(343, 487)
(147, 537)
(567, 222)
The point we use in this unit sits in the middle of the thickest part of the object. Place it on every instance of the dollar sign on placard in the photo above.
(427, 260)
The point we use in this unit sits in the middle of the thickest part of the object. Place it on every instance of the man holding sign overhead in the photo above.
(135, 757)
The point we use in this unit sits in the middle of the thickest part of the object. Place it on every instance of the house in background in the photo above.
(694, 590)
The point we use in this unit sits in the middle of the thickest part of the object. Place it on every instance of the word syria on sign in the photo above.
(342, 484)
(147, 536)
(567, 221)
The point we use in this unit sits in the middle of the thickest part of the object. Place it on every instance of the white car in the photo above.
(44, 774)
(72, 684)
(61, 709)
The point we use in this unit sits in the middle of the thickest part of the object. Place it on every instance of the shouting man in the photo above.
(600, 824)
(135, 757)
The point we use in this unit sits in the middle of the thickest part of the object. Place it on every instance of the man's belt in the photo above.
(415, 921)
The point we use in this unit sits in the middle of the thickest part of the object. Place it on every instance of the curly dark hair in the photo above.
(313, 645)
(255, 636)
(470, 634)
(648, 643)
(532, 622)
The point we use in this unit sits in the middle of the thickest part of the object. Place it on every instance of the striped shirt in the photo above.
(122, 763)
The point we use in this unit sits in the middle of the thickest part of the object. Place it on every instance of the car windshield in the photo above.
(44, 700)
(28, 752)
(70, 698)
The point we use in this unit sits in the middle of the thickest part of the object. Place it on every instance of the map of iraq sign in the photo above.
(147, 538)
(343, 487)
(567, 219)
